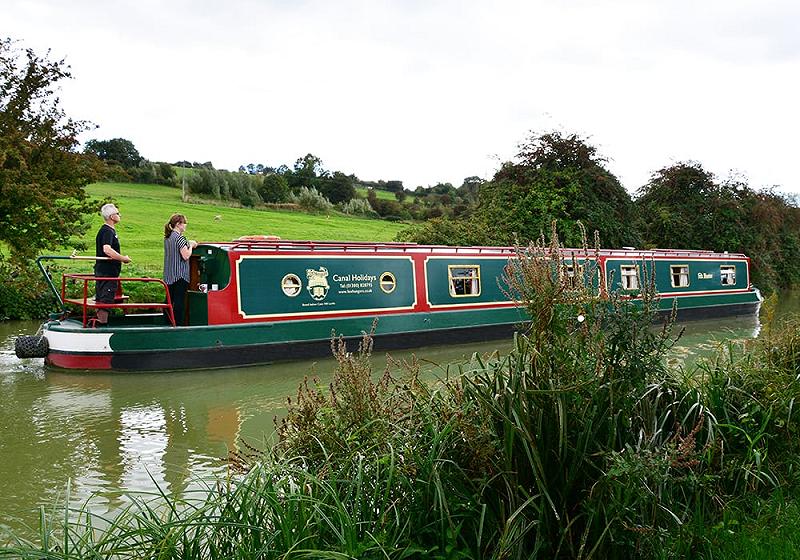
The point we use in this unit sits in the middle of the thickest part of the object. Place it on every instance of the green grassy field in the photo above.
(146, 208)
(181, 171)
(385, 195)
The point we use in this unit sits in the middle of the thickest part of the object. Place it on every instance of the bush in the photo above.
(444, 231)
(144, 173)
(23, 293)
(115, 173)
(311, 201)
(359, 206)
(274, 189)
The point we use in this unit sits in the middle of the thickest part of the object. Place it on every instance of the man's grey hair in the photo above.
(108, 210)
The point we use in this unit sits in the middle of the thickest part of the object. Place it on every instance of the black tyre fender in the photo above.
(31, 347)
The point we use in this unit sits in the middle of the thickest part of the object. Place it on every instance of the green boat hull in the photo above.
(153, 348)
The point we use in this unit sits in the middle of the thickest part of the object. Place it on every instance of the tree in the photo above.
(470, 187)
(676, 206)
(394, 186)
(166, 173)
(558, 177)
(254, 169)
(274, 188)
(444, 189)
(686, 207)
(42, 200)
(337, 188)
(116, 150)
(306, 171)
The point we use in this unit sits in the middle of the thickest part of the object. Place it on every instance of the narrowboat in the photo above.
(258, 300)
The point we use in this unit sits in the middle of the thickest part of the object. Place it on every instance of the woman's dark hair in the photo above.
(174, 220)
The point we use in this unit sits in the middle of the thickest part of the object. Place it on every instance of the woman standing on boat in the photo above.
(177, 251)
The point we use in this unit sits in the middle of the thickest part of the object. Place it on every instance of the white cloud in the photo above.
(432, 91)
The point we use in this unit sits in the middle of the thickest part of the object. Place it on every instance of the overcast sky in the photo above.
(428, 91)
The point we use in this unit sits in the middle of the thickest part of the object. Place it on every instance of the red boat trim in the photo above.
(702, 293)
(303, 316)
(79, 361)
(483, 305)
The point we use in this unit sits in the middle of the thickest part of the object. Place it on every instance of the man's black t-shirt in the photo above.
(106, 236)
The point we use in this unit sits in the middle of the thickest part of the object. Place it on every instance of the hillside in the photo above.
(146, 208)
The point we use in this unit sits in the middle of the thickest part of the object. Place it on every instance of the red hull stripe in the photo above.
(703, 293)
(79, 361)
(305, 316)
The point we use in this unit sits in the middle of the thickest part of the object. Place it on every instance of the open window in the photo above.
(629, 276)
(727, 274)
(464, 280)
(679, 275)
(573, 273)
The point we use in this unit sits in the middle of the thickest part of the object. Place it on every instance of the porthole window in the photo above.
(388, 282)
(291, 285)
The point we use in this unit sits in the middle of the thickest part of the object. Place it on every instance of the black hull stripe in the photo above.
(232, 356)
(714, 311)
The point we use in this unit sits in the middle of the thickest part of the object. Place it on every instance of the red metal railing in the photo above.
(88, 302)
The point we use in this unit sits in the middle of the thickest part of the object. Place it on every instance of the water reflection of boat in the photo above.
(132, 436)
(259, 301)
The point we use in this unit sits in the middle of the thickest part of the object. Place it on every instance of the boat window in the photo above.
(388, 282)
(291, 285)
(629, 277)
(573, 273)
(679, 273)
(464, 280)
(727, 274)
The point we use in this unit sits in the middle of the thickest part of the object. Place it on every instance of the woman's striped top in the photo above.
(175, 267)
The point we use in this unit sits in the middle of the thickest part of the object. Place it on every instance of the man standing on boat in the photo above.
(107, 245)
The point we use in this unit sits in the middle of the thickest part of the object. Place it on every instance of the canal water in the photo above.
(103, 435)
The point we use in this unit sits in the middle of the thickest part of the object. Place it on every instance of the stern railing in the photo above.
(87, 302)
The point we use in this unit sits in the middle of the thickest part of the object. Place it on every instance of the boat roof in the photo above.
(280, 245)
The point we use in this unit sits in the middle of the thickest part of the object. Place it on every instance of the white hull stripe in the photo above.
(78, 342)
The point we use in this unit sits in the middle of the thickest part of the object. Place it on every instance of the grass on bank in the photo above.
(381, 194)
(181, 171)
(146, 208)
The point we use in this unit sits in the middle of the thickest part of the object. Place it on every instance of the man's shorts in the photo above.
(106, 290)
